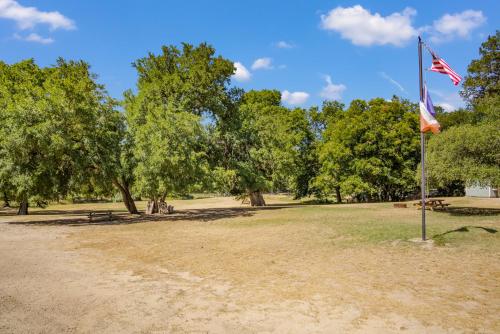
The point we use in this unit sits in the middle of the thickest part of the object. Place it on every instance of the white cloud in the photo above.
(448, 101)
(294, 98)
(29, 17)
(332, 91)
(451, 26)
(394, 82)
(241, 73)
(262, 64)
(447, 106)
(34, 38)
(363, 28)
(284, 45)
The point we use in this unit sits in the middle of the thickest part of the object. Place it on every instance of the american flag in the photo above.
(439, 65)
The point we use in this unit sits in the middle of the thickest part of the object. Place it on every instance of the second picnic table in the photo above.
(433, 203)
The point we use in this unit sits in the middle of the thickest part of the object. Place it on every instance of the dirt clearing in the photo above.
(216, 267)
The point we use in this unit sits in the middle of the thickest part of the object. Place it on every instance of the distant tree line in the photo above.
(186, 129)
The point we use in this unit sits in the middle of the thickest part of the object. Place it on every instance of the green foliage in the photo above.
(58, 129)
(168, 152)
(458, 117)
(175, 88)
(223, 181)
(370, 150)
(272, 138)
(192, 79)
(469, 153)
(483, 75)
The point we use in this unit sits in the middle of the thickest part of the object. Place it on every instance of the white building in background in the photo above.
(480, 191)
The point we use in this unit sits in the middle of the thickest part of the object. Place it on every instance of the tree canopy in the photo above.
(187, 128)
(468, 151)
(58, 130)
(369, 151)
(483, 74)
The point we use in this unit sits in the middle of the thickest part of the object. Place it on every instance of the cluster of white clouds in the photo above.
(243, 74)
(448, 101)
(262, 64)
(332, 91)
(284, 45)
(356, 24)
(30, 17)
(460, 25)
(364, 28)
(33, 37)
(329, 92)
(294, 98)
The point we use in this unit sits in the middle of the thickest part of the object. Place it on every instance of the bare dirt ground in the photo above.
(216, 267)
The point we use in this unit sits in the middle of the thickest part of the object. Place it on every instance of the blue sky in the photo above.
(309, 50)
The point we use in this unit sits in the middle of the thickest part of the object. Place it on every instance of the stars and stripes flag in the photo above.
(428, 120)
(440, 66)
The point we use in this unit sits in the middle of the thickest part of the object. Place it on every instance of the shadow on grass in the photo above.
(470, 211)
(204, 215)
(440, 240)
(44, 212)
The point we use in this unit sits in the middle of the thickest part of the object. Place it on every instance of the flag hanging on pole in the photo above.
(428, 120)
(440, 66)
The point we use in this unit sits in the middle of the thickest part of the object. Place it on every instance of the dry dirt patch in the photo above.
(278, 270)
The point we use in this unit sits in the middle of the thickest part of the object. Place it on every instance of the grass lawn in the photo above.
(350, 263)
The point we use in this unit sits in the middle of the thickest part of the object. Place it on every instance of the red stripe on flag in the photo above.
(440, 66)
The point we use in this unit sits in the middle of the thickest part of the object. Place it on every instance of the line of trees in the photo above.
(185, 128)
(468, 151)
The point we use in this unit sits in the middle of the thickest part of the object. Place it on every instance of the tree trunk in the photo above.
(256, 198)
(23, 208)
(152, 207)
(6, 203)
(337, 193)
(164, 208)
(126, 197)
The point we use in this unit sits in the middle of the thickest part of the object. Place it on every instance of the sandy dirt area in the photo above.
(227, 270)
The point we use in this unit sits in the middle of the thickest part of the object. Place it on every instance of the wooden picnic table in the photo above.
(433, 203)
(93, 215)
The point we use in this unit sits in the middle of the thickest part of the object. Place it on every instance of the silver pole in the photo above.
(422, 138)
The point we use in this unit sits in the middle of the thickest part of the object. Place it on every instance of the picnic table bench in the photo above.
(432, 204)
(93, 215)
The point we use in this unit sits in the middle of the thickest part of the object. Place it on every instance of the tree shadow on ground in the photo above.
(470, 211)
(466, 229)
(49, 212)
(204, 215)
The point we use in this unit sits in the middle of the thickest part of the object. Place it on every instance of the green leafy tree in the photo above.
(58, 130)
(177, 89)
(483, 75)
(273, 142)
(468, 152)
(169, 156)
(370, 151)
(261, 147)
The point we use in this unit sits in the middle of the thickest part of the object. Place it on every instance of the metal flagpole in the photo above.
(422, 137)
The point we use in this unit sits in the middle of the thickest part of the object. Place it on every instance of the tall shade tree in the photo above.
(175, 89)
(483, 74)
(170, 154)
(271, 141)
(58, 130)
(370, 151)
(469, 152)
